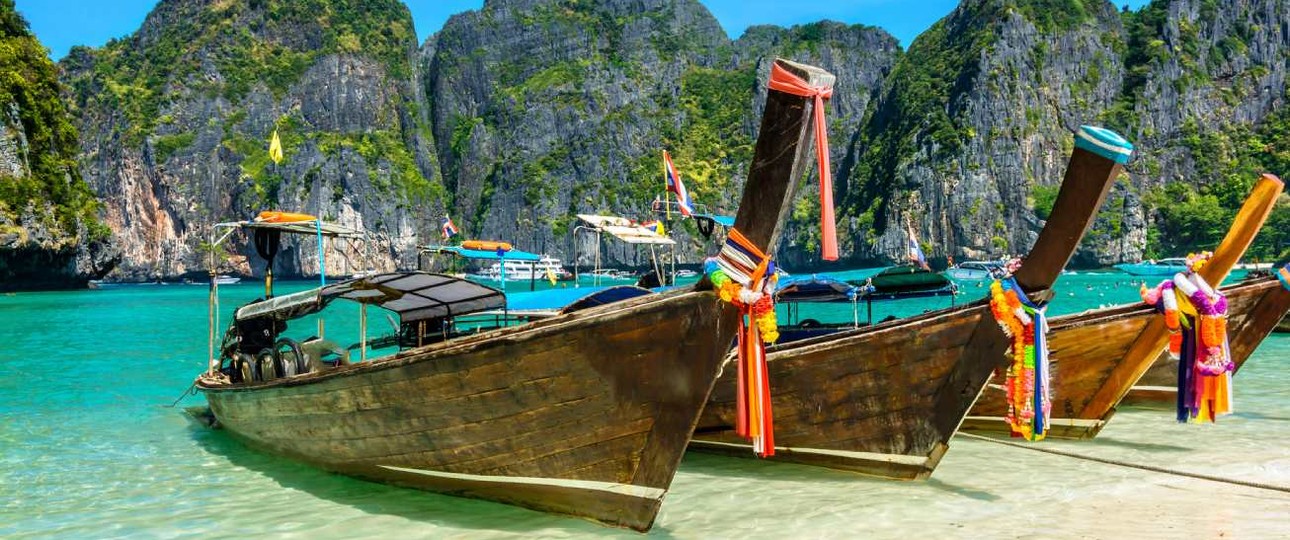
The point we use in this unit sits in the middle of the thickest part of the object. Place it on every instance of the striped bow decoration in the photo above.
(744, 276)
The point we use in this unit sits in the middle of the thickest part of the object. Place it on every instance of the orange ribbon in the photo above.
(785, 81)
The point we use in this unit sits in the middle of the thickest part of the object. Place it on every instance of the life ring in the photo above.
(274, 216)
(486, 245)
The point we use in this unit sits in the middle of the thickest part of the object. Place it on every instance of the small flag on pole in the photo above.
(275, 148)
(550, 275)
(448, 229)
(655, 227)
(915, 251)
(675, 186)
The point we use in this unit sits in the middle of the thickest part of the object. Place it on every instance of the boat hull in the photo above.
(1145, 269)
(863, 400)
(586, 414)
(1087, 350)
(1159, 385)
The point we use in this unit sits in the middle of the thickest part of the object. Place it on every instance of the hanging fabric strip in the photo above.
(1196, 316)
(785, 81)
(1284, 276)
(1028, 385)
(745, 277)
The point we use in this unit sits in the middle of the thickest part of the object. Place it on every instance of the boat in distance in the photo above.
(1162, 267)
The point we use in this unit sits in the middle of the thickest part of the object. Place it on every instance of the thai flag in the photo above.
(449, 230)
(675, 186)
(915, 251)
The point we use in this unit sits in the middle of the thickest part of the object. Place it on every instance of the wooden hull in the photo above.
(586, 414)
(863, 400)
(1087, 349)
(1159, 384)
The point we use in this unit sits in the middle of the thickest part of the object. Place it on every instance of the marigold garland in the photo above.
(1196, 316)
(1029, 402)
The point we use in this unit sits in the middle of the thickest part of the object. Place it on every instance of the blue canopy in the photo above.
(550, 299)
(512, 255)
(724, 221)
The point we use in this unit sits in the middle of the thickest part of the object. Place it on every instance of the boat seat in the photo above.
(316, 349)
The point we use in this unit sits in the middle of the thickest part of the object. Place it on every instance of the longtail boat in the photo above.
(1098, 355)
(885, 400)
(585, 413)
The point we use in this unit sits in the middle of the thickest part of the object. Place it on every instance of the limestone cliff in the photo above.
(49, 235)
(515, 117)
(176, 118)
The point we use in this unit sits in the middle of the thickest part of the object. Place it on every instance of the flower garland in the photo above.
(1028, 388)
(1196, 316)
(745, 277)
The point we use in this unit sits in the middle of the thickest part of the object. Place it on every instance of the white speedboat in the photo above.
(227, 280)
(526, 270)
(975, 270)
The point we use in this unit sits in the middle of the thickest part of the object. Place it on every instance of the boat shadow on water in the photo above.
(450, 512)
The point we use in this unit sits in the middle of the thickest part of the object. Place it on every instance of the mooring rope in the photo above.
(1256, 485)
(192, 390)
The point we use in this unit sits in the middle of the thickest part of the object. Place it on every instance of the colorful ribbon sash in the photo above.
(1028, 388)
(1196, 316)
(745, 277)
(1284, 276)
(785, 81)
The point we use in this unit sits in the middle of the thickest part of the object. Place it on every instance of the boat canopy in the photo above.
(625, 229)
(512, 255)
(606, 296)
(907, 280)
(413, 295)
(297, 227)
(815, 288)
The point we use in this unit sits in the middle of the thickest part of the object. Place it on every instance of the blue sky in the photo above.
(60, 24)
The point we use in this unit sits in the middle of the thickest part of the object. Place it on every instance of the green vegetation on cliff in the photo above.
(211, 47)
(31, 111)
(1188, 218)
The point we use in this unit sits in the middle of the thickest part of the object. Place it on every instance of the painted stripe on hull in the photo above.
(897, 459)
(608, 487)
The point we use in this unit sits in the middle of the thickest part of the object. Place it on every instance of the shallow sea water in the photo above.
(90, 449)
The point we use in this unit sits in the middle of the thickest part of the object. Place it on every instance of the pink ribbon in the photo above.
(785, 81)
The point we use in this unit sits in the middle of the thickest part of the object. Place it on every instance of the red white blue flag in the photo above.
(449, 230)
(675, 186)
(915, 251)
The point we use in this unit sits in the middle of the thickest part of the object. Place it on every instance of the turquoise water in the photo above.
(90, 449)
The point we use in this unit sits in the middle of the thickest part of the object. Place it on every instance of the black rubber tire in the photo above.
(301, 363)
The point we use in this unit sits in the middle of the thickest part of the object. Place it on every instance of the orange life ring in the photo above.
(274, 216)
(486, 245)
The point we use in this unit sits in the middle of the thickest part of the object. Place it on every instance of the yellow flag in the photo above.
(550, 275)
(275, 148)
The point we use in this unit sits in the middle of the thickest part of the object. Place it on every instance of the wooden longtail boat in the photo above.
(886, 399)
(1098, 355)
(585, 413)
